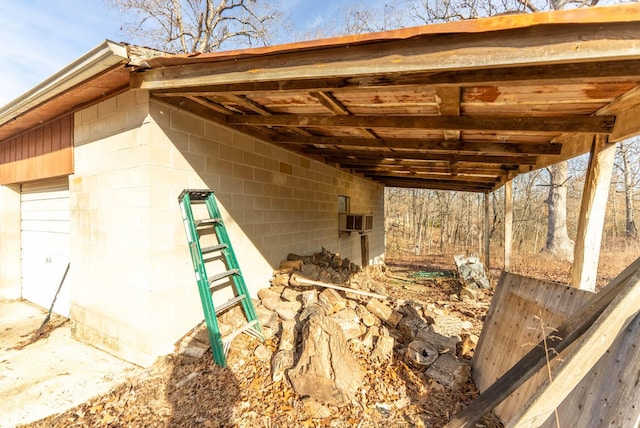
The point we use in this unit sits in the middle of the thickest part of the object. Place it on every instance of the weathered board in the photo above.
(608, 395)
(513, 326)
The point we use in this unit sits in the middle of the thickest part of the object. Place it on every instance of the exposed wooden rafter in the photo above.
(573, 124)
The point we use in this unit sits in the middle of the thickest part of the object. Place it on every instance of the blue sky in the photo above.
(39, 37)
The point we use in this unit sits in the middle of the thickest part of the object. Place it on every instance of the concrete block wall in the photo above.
(277, 202)
(133, 289)
(10, 246)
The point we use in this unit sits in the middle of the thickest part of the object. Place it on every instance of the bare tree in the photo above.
(628, 165)
(558, 242)
(197, 25)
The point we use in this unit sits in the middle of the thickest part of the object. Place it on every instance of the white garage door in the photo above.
(45, 243)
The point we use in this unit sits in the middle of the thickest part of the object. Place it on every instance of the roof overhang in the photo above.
(103, 69)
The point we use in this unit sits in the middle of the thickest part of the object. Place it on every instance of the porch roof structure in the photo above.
(460, 106)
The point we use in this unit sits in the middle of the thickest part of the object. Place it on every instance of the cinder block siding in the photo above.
(10, 245)
(278, 202)
(133, 286)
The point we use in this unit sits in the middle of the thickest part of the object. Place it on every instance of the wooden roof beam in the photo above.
(573, 124)
(421, 144)
(343, 156)
(448, 103)
(605, 71)
(440, 177)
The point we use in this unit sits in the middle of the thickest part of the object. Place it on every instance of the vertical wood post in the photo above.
(364, 249)
(508, 223)
(592, 211)
(486, 231)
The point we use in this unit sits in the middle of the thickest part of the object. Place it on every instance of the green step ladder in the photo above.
(223, 249)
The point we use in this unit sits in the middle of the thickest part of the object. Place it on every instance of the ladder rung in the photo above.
(229, 303)
(207, 221)
(221, 275)
(226, 341)
(213, 248)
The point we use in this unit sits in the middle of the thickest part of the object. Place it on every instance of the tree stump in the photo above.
(326, 370)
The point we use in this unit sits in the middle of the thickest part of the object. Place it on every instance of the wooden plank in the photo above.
(592, 213)
(574, 124)
(561, 43)
(300, 281)
(581, 357)
(599, 71)
(342, 155)
(508, 223)
(608, 395)
(627, 124)
(422, 144)
(563, 336)
(427, 176)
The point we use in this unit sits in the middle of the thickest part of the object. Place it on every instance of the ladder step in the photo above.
(229, 303)
(207, 221)
(213, 248)
(221, 275)
(249, 328)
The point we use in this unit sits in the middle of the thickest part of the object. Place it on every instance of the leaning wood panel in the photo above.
(606, 397)
(512, 327)
(43, 152)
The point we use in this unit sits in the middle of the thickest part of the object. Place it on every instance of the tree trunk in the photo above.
(630, 224)
(558, 243)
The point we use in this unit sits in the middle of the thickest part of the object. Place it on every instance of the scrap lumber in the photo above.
(301, 281)
(579, 360)
(565, 334)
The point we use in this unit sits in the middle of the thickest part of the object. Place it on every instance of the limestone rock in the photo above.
(326, 370)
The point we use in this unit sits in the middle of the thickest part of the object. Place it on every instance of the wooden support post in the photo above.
(486, 232)
(508, 223)
(592, 211)
(364, 250)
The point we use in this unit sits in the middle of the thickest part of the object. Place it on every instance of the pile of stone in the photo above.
(322, 326)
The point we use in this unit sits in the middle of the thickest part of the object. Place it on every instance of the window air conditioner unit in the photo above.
(348, 222)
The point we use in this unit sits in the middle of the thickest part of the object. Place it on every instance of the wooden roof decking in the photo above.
(459, 106)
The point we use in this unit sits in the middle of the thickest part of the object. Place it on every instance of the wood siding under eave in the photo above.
(43, 152)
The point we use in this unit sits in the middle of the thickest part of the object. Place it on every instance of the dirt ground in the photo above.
(182, 391)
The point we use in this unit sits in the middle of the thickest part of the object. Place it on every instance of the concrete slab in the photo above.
(54, 373)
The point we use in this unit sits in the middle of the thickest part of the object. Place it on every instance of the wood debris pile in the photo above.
(322, 331)
(386, 380)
